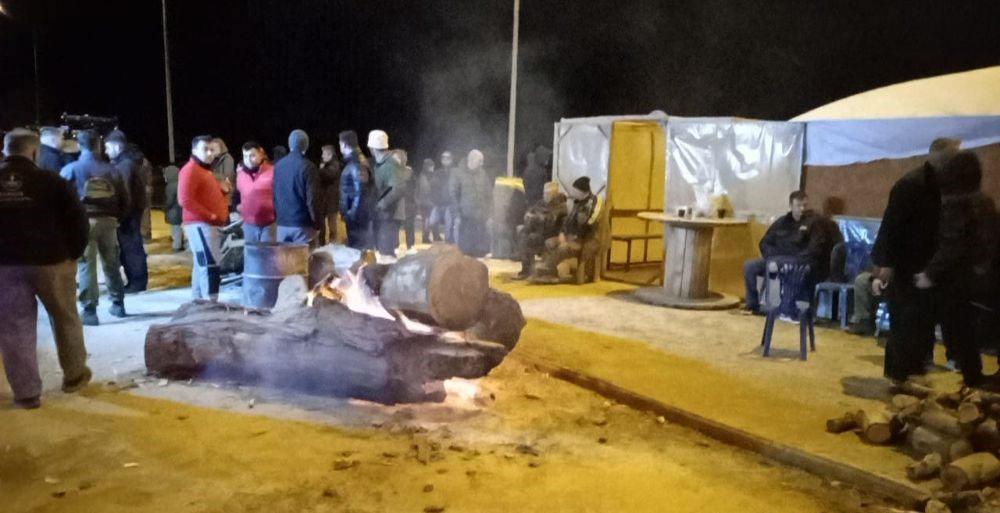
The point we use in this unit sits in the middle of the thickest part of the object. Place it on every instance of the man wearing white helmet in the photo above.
(390, 189)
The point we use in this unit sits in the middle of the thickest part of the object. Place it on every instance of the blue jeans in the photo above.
(254, 233)
(296, 234)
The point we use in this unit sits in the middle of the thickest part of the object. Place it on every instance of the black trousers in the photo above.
(914, 314)
(958, 326)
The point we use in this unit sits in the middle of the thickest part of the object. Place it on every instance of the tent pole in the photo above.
(512, 117)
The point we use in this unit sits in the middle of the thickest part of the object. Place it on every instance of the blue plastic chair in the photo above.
(783, 284)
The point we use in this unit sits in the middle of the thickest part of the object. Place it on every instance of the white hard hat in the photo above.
(378, 140)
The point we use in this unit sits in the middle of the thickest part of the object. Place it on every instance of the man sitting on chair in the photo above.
(543, 221)
(798, 236)
(579, 227)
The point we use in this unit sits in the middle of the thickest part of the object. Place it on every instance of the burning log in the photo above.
(342, 341)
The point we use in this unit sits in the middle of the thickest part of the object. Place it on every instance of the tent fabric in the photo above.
(969, 93)
(756, 163)
(843, 142)
(582, 149)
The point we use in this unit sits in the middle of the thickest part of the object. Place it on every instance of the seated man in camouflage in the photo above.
(580, 227)
(542, 222)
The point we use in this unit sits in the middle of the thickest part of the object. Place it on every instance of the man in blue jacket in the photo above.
(355, 192)
(44, 231)
(106, 199)
(296, 192)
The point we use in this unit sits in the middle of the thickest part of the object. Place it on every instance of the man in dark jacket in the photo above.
(329, 181)
(580, 226)
(444, 211)
(963, 260)
(355, 192)
(133, 254)
(105, 197)
(172, 212)
(44, 231)
(51, 157)
(472, 191)
(542, 223)
(800, 236)
(297, 193)
(907, 239)
(538, 172)
(390, 181)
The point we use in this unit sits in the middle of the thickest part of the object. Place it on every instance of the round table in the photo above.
(688, 243)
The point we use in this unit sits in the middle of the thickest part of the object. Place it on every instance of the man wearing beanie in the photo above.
(578, 227)
(133, 254)
(296, 192)
(390, 189)
(355, 191)
(204, 207)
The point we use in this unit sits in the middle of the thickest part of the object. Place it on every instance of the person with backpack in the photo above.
(105, 198)
(44, 231)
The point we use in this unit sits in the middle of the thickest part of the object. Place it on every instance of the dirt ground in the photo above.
(538, 444)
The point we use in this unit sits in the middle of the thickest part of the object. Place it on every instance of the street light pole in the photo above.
(38, 94)
(512, 117)
(166, 85)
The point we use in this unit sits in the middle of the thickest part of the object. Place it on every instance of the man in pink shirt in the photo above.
(255, 183)
(203, 201)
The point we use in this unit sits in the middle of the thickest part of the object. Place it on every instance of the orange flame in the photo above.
(356, 296)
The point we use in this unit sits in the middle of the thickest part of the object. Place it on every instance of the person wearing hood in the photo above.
(133, 253)
(579, 225)
(409, 199)
(907, 240)
(224, 169)
(255, 183)
(44, 231)
(172, 213)
(962, 262)
(355, 191)
(297, 195)
(390, 193)
(472, 190)
(203, 202)
(51, 157)
(537, 173)
(542, 223)
(105, 196)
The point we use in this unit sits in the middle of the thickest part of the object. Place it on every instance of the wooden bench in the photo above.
(628, 239)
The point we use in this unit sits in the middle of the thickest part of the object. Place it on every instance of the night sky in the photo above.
(435, 73)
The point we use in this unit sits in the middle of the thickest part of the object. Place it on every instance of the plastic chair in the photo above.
(782, 286)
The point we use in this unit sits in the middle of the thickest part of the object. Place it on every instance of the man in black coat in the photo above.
(128, 162)
(801, 236)
(538, 172)
(355, 192)
(51, 156)
(44, 231)
(297, 195)
(907, 239)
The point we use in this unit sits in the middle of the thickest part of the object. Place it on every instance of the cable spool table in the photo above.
(688, 243)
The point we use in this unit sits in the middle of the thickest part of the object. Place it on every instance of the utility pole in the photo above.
(166, 84)
(38, 94)
(512, 117)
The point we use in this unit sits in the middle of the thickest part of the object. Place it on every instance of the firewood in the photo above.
(959, 449)
(969, 414)
(843, 424)
(925, 468)
(500, 320)
(439, 283)
(961, 500)
(950, 400)
(986, 437)
(936, 506)
(927, 441)
(325, 349)
(331, 259)
(915, 389)
(970, 471)
(878, 428)
(902, 402)
(942, 422)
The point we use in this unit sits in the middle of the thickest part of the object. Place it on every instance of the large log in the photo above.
(500, 320)
(324, 349)
(439, 284)
(331, 259)
(970, 471)
(878, 427)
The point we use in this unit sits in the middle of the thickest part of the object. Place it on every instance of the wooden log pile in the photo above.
(955, 437)
(325, 345)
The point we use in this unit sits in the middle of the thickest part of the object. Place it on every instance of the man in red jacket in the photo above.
(204, 207)
(255, 182)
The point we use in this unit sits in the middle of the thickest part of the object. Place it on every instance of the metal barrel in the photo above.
(265, 264)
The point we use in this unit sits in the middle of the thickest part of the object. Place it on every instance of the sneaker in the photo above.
(89, 318)
(75, 385)
(117, 310)
(31, 403)
(789, 319)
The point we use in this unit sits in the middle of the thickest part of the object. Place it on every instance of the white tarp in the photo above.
(582, 149)
(848, 141)
(757, 163)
